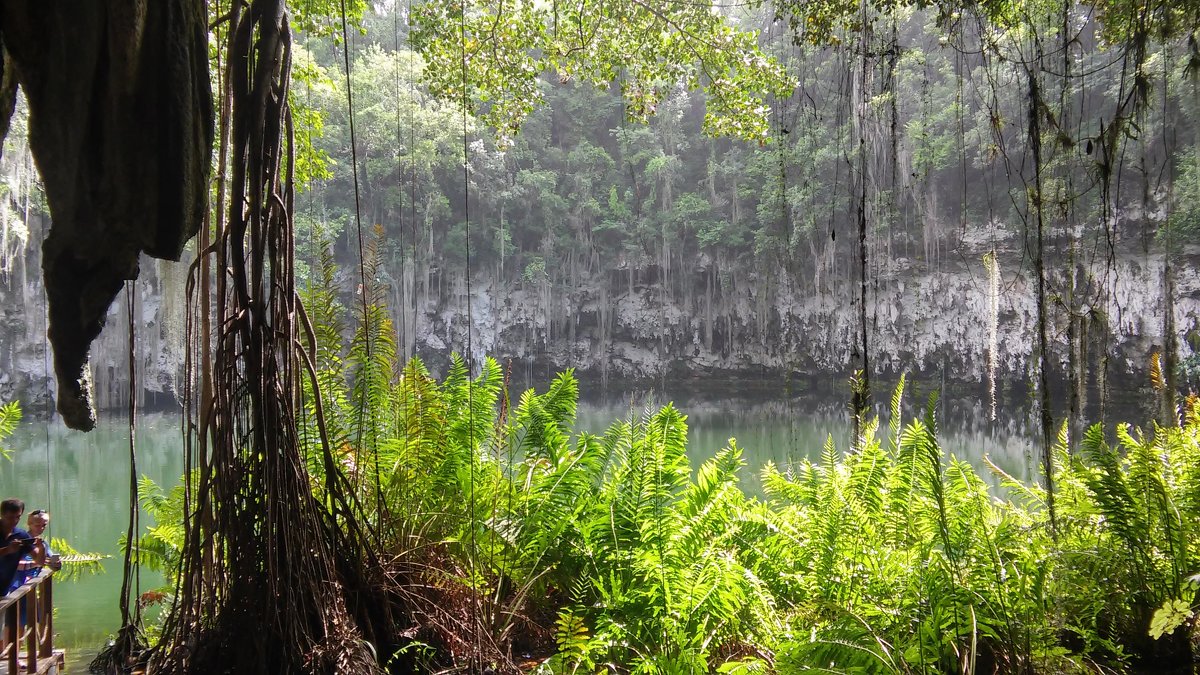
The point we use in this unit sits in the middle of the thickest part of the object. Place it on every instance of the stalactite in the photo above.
(172, 316)
(1084, 354)
(893, 143)
(408, 283)
(18, 178)
(604, 310)
(1075, 368)
(1076, 381)
(708, 305)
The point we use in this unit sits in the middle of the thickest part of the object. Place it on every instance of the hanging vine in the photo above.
(262, 591)
(992, 265)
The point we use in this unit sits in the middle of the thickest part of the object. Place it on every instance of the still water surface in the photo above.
(88, 488)
(87, 495)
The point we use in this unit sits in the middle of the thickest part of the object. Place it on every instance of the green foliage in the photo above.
(1128, 547)
(75, 563)
(893, 556)
(573, 643)
(10, 417)
(158, 548)
(655, 562)
(643, 554)
(890, 556)
(1185, 216)
(489, 56)
(902, 561)
(312, 162)
(1173, 614)
(581, 186)
(322, 18)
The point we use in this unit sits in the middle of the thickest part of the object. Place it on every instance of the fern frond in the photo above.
(895, 421)
(829, 456)
(76, 564)
(867, 473)
(1110, 488)
(10, 417)
(1156, 371)
(779, 487)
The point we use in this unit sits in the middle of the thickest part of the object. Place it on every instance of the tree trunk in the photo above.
(1047, 419)
(272, 600)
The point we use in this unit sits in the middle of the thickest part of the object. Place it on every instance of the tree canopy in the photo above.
(500, 49)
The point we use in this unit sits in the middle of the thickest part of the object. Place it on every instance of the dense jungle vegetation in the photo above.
(900, 144)
(610, 553)
(350, 512)
(583, 185)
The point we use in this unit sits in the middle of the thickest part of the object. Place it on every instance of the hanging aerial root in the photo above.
(262, 561)
(123, 654)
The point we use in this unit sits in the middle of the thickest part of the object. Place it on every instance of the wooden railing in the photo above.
(29, 618)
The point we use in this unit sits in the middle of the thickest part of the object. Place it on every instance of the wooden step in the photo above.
(55, 664)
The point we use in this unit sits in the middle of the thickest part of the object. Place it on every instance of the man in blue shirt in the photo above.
(16, 542)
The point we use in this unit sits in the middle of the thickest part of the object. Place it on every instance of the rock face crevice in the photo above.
(121, 128)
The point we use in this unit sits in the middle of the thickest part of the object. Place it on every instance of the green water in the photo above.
(88, 499)
(788, 433)
(89, 488)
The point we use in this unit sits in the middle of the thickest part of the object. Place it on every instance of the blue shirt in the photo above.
(8, 563)
(24, 575)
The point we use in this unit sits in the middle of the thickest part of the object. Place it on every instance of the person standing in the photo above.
(29, 566)
(17, 542)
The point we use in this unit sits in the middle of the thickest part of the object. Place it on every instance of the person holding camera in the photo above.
(29, 566)
(17, 543)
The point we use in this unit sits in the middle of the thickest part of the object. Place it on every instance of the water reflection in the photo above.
(83, 480)
(789, 432)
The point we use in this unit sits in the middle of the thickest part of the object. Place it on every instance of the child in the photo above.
(29, 566)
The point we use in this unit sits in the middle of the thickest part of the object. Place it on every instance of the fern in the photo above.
(75, 563)
(573, 643)
(552, 412)
(890, 555)
(894, 422)
(1112, 491)
(10, 417)
(867, 473)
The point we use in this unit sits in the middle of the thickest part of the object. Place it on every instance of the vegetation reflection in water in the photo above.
(783, 432)
(88, 498)
(89, 488)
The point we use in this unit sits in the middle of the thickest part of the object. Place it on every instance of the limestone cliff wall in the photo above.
(922, 320)
(747, 324)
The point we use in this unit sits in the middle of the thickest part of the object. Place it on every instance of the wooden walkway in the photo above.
(55, 664)
(27, 641)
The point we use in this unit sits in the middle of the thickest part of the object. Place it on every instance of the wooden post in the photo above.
(31, 628)
(37, 596)
(10, 617)
(46, 650)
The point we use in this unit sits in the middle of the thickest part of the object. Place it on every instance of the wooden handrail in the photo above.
(20, 592)
(38, 606)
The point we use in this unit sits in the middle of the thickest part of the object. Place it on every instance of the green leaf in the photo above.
(1172, 615)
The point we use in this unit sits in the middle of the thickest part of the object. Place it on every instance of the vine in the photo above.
(992, 266)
